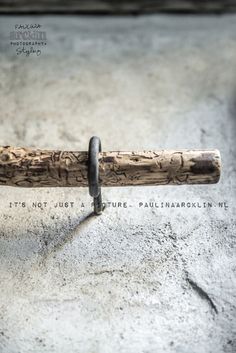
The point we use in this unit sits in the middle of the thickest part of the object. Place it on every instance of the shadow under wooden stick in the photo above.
(53, 243)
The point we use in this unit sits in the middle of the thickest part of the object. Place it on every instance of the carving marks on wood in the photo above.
(38, 168)
(159, 167)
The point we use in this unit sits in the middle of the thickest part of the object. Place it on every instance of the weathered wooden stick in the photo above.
(37, 168)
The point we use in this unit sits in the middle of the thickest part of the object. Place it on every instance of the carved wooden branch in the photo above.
(37, 168)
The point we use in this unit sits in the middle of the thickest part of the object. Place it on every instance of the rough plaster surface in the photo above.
(134, 279)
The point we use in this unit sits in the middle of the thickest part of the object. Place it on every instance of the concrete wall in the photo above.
(136, 279)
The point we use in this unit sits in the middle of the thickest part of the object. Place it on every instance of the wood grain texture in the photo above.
(41, 168)
(160, 167)
(116, 7)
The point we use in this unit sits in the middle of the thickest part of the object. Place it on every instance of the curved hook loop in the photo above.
(93, 173)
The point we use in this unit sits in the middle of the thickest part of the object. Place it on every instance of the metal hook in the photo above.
(93, 173)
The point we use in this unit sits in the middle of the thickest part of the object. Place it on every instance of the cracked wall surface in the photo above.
(157, 272)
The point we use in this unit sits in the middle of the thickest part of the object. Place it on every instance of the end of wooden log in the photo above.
(208, 163)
